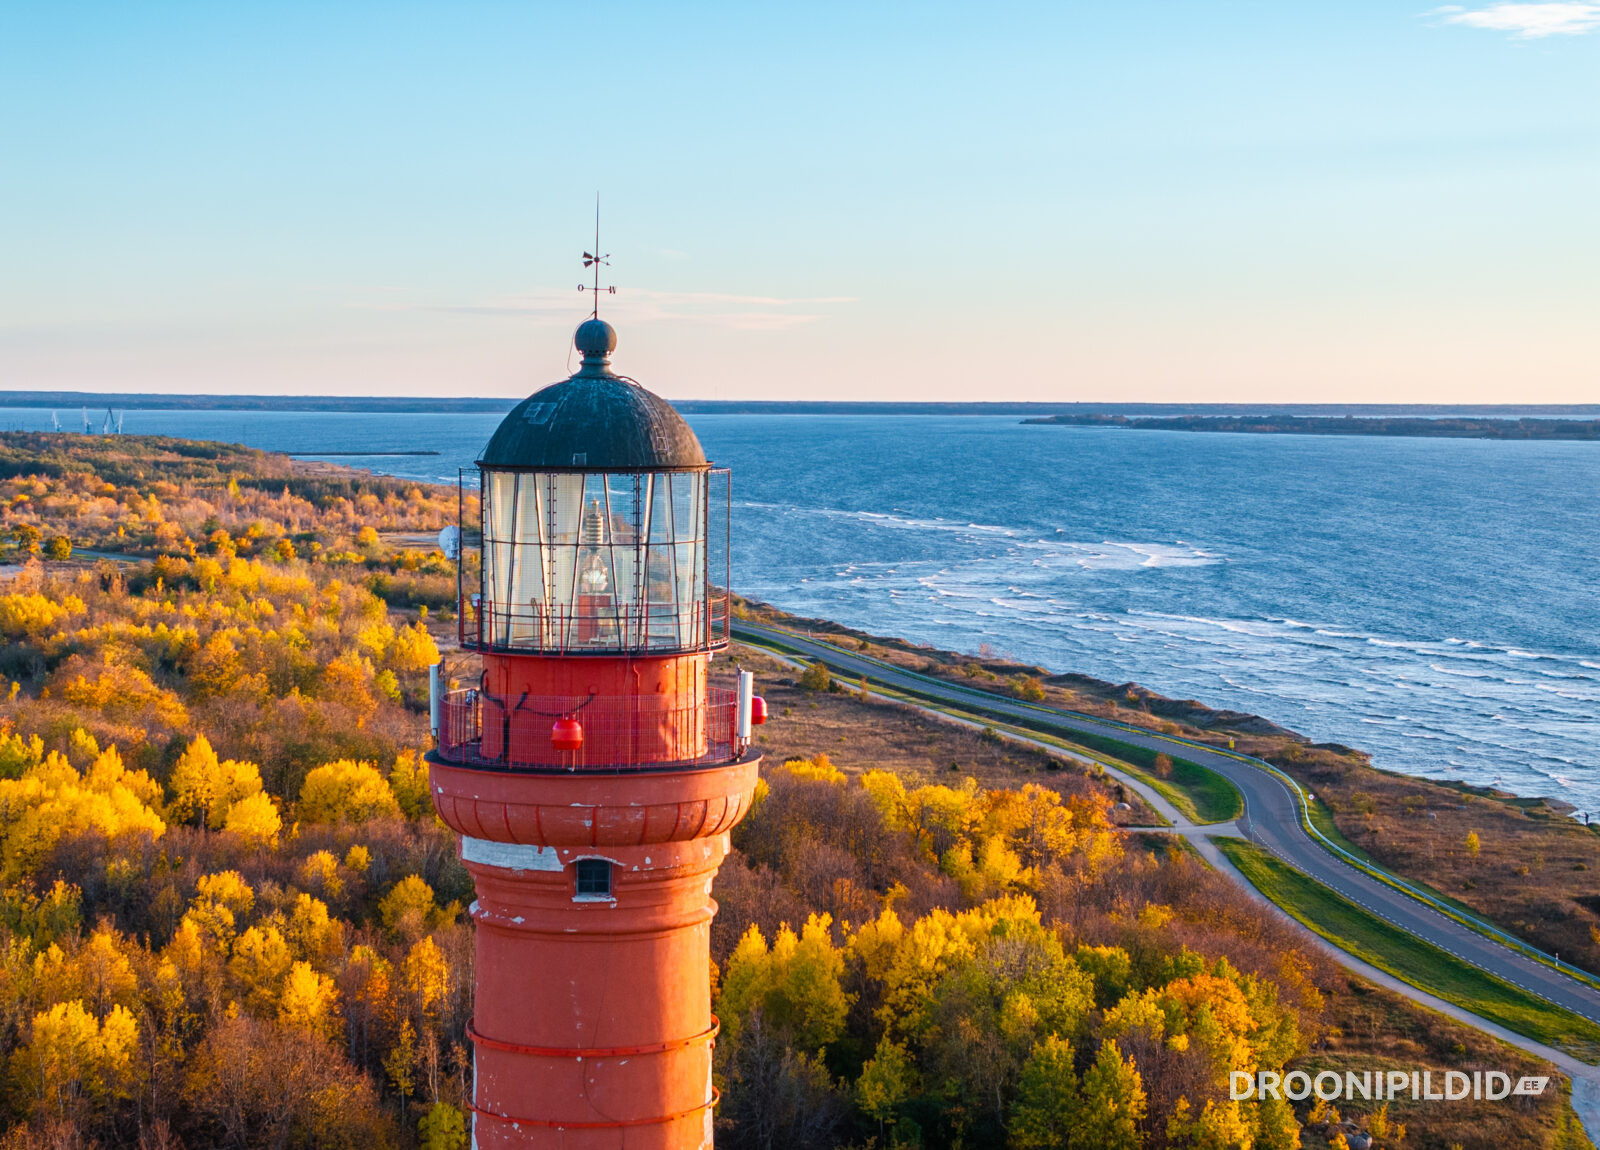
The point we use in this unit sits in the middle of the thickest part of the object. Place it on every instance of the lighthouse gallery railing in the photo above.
(515, 733)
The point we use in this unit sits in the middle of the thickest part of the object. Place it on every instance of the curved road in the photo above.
(1271, 819)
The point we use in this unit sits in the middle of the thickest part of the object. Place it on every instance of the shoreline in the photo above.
(1522, 863)
(1396, 426)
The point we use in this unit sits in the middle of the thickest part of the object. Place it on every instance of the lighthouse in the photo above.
(594, 774)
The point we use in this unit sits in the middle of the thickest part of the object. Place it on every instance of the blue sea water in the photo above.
(1433, 601)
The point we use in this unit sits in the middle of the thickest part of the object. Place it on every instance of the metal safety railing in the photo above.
(618, 734)
(596, 626)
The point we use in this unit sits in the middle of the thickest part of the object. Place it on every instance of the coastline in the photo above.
(1399, 425)
(1520, 862)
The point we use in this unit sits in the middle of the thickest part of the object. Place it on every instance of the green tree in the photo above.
(1029, 688)
(816, 677)
(795, 984)
(26, 536)
(59, 548)
(443, 1127)
(400, 1064)
(1276, 1128)
(1113, 1102)
(887, 1081)
(1046, 1105)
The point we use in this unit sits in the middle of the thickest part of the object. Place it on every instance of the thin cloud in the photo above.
(1527, 21)
(711, 309)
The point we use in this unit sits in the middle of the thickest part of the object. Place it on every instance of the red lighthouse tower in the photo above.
(594, 774)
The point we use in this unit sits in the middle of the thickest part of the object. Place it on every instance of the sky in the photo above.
(1361, 201)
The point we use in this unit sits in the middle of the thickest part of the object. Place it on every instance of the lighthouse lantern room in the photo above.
(593, 773)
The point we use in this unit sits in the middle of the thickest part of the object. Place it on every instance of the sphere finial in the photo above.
(596, 340)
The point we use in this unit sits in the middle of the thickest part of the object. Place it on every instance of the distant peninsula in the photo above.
(1440, 428)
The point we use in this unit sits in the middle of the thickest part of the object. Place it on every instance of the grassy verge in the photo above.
(1421, 964)
(1322, 818)
(1202, 795)
(1468, 916)
(1199, 792)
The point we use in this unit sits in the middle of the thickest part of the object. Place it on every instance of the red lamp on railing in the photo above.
(566, 734)
(758, 711)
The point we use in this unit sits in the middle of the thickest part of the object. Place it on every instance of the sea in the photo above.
(1434, 602)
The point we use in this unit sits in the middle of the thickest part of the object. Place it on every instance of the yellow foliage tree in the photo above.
(52, 800)
(409, 781)
(408, 907)
(413, 649)
(320, 871)
(260, 961)
(216, 669)
(122, 692)
(30, 613)
(227, 887)
(820, 768)
(348, 679)
(309, 1001)
(315, 935)
(72, 1052)
(374, 640)
(205, 787)
(255, 819)
(99, 973)
(425, 973)
(346, 791)
(1218, 1126)
(221, 899)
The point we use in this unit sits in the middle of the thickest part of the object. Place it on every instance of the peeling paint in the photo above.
(511, 856)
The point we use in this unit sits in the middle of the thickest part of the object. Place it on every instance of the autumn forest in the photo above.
(230, 917)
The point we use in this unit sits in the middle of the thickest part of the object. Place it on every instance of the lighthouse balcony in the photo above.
(596, 734)
(601, 625)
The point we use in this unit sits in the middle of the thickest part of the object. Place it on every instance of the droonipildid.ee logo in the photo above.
(1381, 1085)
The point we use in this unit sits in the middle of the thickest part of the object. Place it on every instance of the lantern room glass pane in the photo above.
(598, 562)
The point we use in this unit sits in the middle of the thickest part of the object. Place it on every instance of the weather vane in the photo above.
(595, 260)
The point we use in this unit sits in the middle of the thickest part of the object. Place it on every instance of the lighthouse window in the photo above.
(596, 562)
(594, 877)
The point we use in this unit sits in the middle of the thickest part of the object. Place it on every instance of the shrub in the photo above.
(816, 677)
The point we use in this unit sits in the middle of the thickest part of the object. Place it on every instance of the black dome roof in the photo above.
(594, 421)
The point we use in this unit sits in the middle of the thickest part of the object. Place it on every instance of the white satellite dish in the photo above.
(450, 542)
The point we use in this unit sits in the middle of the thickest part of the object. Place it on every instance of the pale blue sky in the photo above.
(1354, 201)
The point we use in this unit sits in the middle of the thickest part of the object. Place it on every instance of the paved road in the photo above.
(1271, 819)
